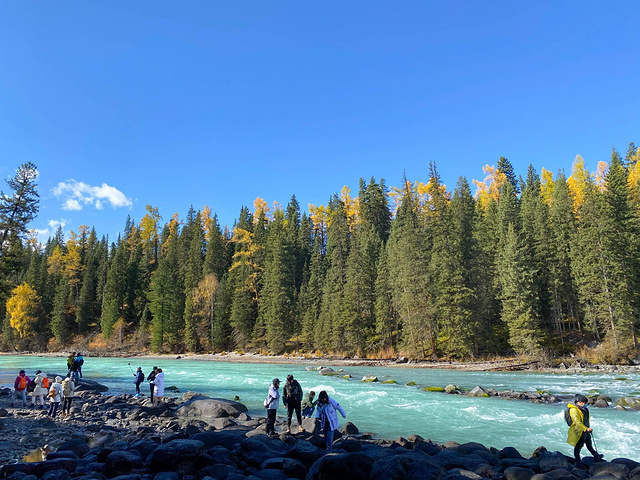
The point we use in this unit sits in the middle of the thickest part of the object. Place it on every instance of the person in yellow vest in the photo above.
(580, 432)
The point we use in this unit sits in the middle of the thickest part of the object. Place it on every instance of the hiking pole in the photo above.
(595, 445)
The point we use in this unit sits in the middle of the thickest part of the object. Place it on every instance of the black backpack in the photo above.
(567, 416)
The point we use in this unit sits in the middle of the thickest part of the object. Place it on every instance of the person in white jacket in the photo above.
(41, 390)
(271, 404)
(158, 389)
(55, 397)
(68, 387)
(328, 416)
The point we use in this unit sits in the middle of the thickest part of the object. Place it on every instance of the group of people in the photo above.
(156, 383)
(40, 387)
(292, 398)
(74, 366)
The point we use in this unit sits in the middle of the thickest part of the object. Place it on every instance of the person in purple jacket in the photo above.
(327, 409)
(20, 388)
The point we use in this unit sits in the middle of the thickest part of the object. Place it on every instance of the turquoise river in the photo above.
(392, 410)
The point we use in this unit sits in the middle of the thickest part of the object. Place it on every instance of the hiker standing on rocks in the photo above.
(158, 382)
(55, 397)
(328, 416)
(139, 378)
(68, 389)
(150, 378)
(292, 396)
(70, 360)
(308, 405)
(20, 388)
(271, 404)
(580, 431)
(40, 390)
(80, 360)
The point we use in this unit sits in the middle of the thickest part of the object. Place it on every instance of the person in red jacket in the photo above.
(20, 388)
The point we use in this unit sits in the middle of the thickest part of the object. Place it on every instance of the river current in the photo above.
(392, 410)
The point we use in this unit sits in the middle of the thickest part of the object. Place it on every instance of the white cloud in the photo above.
(45, 233)
(77, 194)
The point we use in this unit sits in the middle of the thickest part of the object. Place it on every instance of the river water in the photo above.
(392, 410)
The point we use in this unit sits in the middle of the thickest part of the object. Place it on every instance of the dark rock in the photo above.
(201, 406)
(460, 474)
(618, 470)
(342, 466)
(487, 471)
(349, 445)
(76, 445)
(272, 474)
(178, 455)
(59, 474)
(131, 476)
(305, 452)
(144, 447)
(427, 446)
(166, 476)
(256, 450)
(62, 454)
(175, 436)
(349, 429)
(541, 476)
(226, 439)
(628, 462)
(509, 452)
(293, 468)
(518, 473)
(311, 425)
(553, 461)
(221, 423)
(219, 471)
(471, 447)
(409, 466)
(450, 458)
(450, 444)
(122, 462)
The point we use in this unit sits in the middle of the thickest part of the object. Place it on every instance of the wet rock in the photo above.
(226, 439)
(326, 371)
(345, 466)
(256, 450)
(601, 404)
(509, 452)
(451, 389)
(305, 451)
(370, 378)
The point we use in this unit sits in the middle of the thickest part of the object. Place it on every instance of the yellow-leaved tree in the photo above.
(23, 308)
(489, 189)
(578, 181)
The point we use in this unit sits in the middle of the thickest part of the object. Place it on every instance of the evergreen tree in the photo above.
(60, 319)
(115, 289)
(193, 276)
(311, 292)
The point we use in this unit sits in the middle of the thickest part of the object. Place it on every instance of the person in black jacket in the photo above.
(150, 378)
(139, 378)
(292, 398)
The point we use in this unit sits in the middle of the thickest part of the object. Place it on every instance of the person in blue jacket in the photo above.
(327, 409)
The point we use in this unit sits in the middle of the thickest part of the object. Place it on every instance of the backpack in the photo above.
(22, 383)
(567, 416)
(45, 382)
(32, 386)
(67, 389)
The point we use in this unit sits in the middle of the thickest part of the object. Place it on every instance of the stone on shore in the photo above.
(205, 407)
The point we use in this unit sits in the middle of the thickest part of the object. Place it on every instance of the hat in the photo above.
(58, 379)
(276, 380)
(582, 398)
(289, 377)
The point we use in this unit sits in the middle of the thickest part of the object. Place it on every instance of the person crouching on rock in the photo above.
(292, 396)
(308, 405)
(271, 404)
(580, 431)
(328, 416)
(158, 391)
(55, 397)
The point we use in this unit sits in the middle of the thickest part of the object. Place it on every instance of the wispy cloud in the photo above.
(78, 194)
(45, 233)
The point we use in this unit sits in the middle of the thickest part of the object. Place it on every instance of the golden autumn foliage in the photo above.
(351, 207)
(601, 175)
(489, 189)
(547, 185)
(578, 182)
(149, 225)
(318, 216)
(23, 307)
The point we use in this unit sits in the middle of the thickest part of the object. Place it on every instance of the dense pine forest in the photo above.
(538, 265)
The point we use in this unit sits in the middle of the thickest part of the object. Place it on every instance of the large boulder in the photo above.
(85, 385)
(306, 452)
(205, 407)
(450, 458)
(477, 392)
(617, 470)
(122, 462)
(345, 466)
(410, 466)
(254, 451)
(553, 461)
(518, 473)
(228, 439)
(176, 456)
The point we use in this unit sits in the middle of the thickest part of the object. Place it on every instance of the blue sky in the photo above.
(172, 104)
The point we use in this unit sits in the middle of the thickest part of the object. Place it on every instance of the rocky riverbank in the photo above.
(199, 438)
